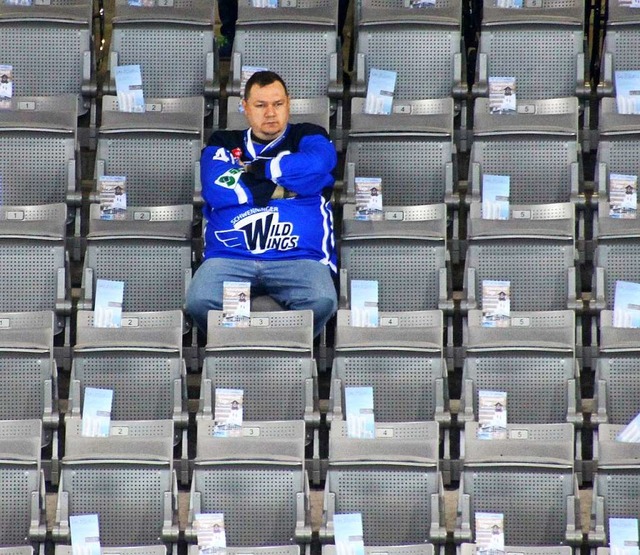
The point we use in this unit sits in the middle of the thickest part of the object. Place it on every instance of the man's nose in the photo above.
(271, 110)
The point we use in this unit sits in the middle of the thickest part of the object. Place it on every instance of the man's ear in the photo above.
(244, 104)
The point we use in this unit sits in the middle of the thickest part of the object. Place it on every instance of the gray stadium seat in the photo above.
(529, 478)
(403, 360)
(271, 361)
(33, 258)
(616, 258)
(126, 478)
(616, 385)
(29, 374)
(406, 253)
(51, 50)
(150, 251)
(304, 52)
(174, 46)
(413, 152)
(616, 484)
(621, 47)
(539, 151)
(157, 151)
(142, 363)
(533, 361)
(542, 47)
(38, 150)
(534, 250)
(22, 497)
(258, 481)
(425, 49)
(393, 480)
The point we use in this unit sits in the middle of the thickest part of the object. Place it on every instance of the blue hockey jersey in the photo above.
(243, 221)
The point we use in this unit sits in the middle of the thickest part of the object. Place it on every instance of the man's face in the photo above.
(267, 110)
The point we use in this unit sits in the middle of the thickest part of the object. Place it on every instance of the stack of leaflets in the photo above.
(129, 88)
(628, 92)
(228, 413)
(108, 304)
(623, 536)
(495, 197)
(247, 72)
(18, 2)
(496, 303)
(236, 304)
(492, 415)
(364, 303)
(210, 533)
(508, 4)
(348, 533)
(113, 197)
(6, 86)
(359, 407)
(629, 3)
(623, 196)
(264, 3)
(85, 534)
(502, 95)
(142, 3)
(626, 305)
(489, 533)
(96, 412)
(420, 3)
(631, 432)
(369, 198)
(380, 91)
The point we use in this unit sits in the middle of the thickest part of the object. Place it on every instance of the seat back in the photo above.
(539, 168)
(300, 54)
(422, 56)
(542, 59)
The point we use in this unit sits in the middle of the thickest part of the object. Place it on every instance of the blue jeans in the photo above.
(294, 284)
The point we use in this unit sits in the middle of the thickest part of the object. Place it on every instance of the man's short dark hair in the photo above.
(262, 79)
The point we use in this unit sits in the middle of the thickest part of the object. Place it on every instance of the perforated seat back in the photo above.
(624, 44)
(543, 61)
(34, 168)
(273, 385)
(620, 156)
(173, 58)
(533, 501)
(537, 272)
(395, 159)
(29, 266)
(142, 385)
(16, 484)
(621, 261)
(128, 498)
(536, 385)
(153, 271)
(22, 392)
(261, 499)
(403, 385)
(539, 170)
(299, 54)
(160, 170)
(422, 58)
(57, 68)
(621, 492)
(620, 373)
(407, 271)
(395, 503)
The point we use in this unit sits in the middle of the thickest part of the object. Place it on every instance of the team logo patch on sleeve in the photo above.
(229, 179)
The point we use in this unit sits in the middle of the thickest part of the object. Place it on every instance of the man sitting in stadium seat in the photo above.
(268, 222)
